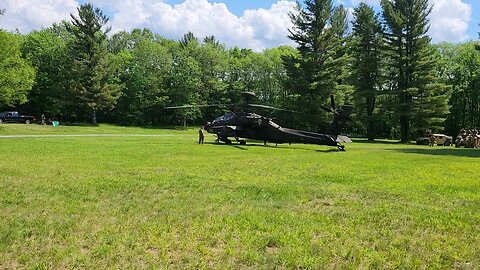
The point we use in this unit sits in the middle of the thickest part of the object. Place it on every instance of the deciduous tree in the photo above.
(48, 52)
(16, 73)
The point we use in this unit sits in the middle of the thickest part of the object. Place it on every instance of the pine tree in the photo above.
(92, 85)
(319, 30)
(366, 65)
(420, 99)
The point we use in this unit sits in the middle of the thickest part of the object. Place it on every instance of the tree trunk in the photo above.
(94, 117)
(370, 130)
(370, 121)
(404, 128)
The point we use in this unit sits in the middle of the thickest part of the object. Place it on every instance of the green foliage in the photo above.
(47, 50)
(161, 200)
(145, 89)
(319, 31)
(366, 50)
(461, 70)
(92, 87)
(412, 78)
(17, 76)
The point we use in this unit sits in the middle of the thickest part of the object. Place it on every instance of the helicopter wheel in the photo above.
(341, 147)
(227, 141)
(243, 142)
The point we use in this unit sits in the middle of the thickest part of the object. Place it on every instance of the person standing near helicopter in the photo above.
(201, 137)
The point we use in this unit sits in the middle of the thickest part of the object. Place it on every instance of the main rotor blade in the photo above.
(196, 106)
(272, 108)
(327, 109)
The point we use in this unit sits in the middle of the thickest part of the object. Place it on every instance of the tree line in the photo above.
(384, 64)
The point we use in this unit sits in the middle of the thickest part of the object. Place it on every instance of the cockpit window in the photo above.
(228, 116)
(225, 117)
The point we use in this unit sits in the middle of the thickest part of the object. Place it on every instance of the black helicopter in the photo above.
(243, 123)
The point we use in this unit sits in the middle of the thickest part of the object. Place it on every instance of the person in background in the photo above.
(432, 140)
(43, 119)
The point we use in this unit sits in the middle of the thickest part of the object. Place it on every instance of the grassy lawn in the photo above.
(161, 202)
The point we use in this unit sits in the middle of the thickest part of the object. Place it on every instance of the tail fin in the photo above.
(341, 116)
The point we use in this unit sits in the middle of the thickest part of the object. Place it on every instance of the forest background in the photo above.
(382, 63)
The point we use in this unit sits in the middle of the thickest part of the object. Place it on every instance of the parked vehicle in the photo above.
(440, 139)
(15, 117)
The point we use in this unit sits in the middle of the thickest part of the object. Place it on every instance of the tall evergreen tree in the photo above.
(92, 85)
(418, 96)
(319, 30)
(367, 52)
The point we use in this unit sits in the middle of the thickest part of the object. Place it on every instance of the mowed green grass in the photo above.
(162, 202)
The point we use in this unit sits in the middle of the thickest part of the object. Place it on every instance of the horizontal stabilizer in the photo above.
(343, 139)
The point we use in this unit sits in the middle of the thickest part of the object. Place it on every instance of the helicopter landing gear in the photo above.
(241, 142)
(225, 140)
(341, 148)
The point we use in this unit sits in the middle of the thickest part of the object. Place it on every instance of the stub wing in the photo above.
(343, 139)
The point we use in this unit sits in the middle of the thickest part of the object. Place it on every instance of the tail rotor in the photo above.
(340, 116)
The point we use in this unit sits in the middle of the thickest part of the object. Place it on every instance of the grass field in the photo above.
(158, 202)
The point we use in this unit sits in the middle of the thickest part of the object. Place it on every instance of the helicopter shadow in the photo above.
(290, 147)
(458, 152)
(238, 146)
(329, 151)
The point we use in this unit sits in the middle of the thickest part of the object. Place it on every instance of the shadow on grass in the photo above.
(381, 141)
(291, 147)
(459, 152)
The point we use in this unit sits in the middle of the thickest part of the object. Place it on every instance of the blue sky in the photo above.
(243, 23)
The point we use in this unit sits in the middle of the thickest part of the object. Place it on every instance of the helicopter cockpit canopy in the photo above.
(224, 117)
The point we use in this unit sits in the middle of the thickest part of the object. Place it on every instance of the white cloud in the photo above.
(256, 29)
(449, 20)
(26, 15)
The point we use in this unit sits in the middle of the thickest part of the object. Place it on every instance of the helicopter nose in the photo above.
(207, 126)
